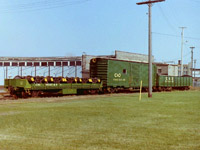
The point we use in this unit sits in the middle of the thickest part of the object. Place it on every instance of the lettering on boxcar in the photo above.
(119, 80)
(169, 79)
(117, 75)
(52, 84)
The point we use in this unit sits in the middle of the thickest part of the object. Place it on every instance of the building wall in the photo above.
(172, 70)
(189, 68)
(120, 55)
(162, 69)
(186, 69)
(132, 56)
(86, 65)
(167, 69)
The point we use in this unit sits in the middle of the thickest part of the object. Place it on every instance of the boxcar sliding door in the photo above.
(135, 75)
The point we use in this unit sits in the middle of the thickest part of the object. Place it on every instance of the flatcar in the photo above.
(23, 87)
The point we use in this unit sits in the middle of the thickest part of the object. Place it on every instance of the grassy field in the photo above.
(169, 120)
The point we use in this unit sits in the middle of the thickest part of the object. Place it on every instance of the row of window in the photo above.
(184, 73)
(70, 63)
(183, 67)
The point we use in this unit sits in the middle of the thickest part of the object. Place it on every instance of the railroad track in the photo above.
(5, 96)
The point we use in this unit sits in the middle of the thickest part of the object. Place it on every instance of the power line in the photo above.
(177, 58)
(166, 34)
(172, 35)
(40, 5)
(166, 18)
(197, 1)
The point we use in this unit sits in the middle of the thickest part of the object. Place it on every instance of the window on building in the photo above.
(50, 63)
(36, 64)
(159, 70)
(14, 64)
(6, 63)
(78, 63)
(72, 63)
(58, 63)
(21, 63)
(44, 64)
(65, 63)
(29, 64)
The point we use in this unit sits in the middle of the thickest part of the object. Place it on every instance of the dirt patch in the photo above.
(10, 113)
(195, 88)
(63, 98)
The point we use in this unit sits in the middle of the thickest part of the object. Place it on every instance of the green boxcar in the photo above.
(117, 73)
(175, 82)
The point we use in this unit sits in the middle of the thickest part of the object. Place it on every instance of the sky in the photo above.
(43, 28)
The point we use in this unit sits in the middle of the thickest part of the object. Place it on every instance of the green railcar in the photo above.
(174, 82)
(23, 88)
(121, 74)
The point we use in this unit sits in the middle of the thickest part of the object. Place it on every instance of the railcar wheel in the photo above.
(159, 89)
(35, 93)
(111, 90)
(92, 92)
(145, 89)
(15, 96)
(85, 92)
(24, 95)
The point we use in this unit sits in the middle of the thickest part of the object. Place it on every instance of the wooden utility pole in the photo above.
(149, 3)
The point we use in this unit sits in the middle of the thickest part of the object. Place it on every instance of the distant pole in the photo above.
(75, 71)
(182, 42)
(21, 71)
(192, 60)
(149, 3)
(62, 71)
(49, 71)
(6, 72)
(194, 67)
(35, 71)
(140, 97)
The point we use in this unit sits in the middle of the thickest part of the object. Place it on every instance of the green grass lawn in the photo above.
(169, 120)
